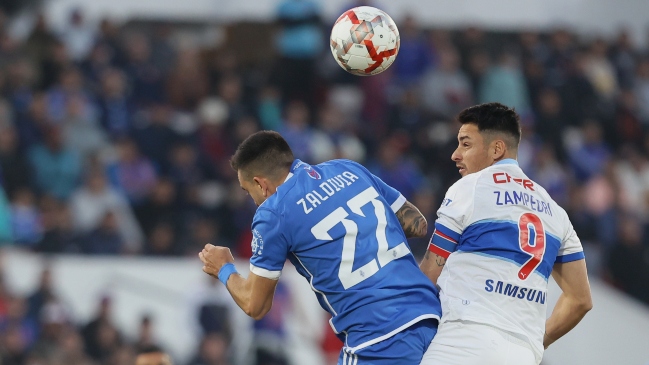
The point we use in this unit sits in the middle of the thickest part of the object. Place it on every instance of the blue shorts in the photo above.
(405, 348)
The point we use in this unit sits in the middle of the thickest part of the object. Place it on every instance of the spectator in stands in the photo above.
(57, 169)
(115, 105)
(270, 108)
(589, 157)
(628, 261)
(25, 219)
(162, 240)
(393, 167)
(42, 295)
(78, 36)
(105, 239)
(505, 83)
(91, 203)
(213, 350)
(299, 43)
(91, 329)
(415, 55)
(145, 337)
(154, 135)
(446, 89)
(304, 140)
(81, 130)
(624, 58)
(15, 167)
(600, 71)
(344, 143)
(146, 78)
(70, 85)
(132, 173)
(188, 82)
(550, 119)
(59, 235)
(160, 206)
(641, 90)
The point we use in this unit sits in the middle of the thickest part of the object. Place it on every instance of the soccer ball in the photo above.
(364, 41)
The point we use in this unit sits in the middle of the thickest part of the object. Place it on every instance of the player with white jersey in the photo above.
(497, 239)
(345, 231)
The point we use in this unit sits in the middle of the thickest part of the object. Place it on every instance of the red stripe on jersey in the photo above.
(439, 251)
(437, 232)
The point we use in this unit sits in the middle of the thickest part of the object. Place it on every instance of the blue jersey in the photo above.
(335, 222)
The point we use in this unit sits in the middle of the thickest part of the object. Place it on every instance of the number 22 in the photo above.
(347, 275)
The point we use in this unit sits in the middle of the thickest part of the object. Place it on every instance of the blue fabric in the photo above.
(5, 219)
(500, 239)
(571, 257)
(225, 272)
(447, 231)
(338, 204)
(405, 348)
(443, 243)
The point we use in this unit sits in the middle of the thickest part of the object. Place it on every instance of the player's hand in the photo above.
(214, 257)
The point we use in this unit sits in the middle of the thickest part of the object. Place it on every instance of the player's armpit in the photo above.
(573, 304)
(412, 221)
(432, 265)
(253, 294)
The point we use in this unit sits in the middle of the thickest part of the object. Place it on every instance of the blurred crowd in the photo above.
(115, 138)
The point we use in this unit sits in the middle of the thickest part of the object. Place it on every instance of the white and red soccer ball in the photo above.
(364, 41)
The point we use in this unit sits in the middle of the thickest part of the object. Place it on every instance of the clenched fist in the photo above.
(214, 257)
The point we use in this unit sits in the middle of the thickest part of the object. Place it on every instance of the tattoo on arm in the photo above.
(412, 221)
(439, 260)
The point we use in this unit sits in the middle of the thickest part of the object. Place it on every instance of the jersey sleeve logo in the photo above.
(257, 243)
(312, 173)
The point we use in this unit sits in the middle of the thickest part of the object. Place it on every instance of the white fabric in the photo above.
(484, 287)
(272, 275)
(490, 346)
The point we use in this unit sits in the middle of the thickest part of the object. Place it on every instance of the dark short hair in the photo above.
(264, 153)
(493, 118)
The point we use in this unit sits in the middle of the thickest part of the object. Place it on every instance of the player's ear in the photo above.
(498, 149)
(262, 184)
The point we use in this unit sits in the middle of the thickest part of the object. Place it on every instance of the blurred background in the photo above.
(117, 120)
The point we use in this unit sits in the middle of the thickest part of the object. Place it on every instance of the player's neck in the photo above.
(506, 156)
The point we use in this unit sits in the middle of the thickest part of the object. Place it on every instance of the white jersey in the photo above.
(502, 235)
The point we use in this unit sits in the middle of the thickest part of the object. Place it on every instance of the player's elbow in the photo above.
(256, 312)
(583, 305)
(586, 304)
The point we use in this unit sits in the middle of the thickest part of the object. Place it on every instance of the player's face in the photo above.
(153, 358)
(252, 188)
(471, 154)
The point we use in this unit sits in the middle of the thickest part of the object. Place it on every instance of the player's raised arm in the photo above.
(574, 302)
(412, 221)
(254, 295)
(432, 265)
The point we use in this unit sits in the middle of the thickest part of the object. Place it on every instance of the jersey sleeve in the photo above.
(570, 249)
(390, 194)
(269, 245)
(452, 217)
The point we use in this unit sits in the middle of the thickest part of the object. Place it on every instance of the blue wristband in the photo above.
(225, 272)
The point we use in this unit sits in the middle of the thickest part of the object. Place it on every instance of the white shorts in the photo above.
(470, 343)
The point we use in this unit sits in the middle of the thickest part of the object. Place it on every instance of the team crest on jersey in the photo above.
(312, 173)
(257, 243)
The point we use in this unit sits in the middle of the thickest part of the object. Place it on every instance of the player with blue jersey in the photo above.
(345, 231)
(498, 237)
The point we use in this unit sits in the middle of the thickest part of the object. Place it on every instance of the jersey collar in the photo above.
(296, 163)
(507, 161)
